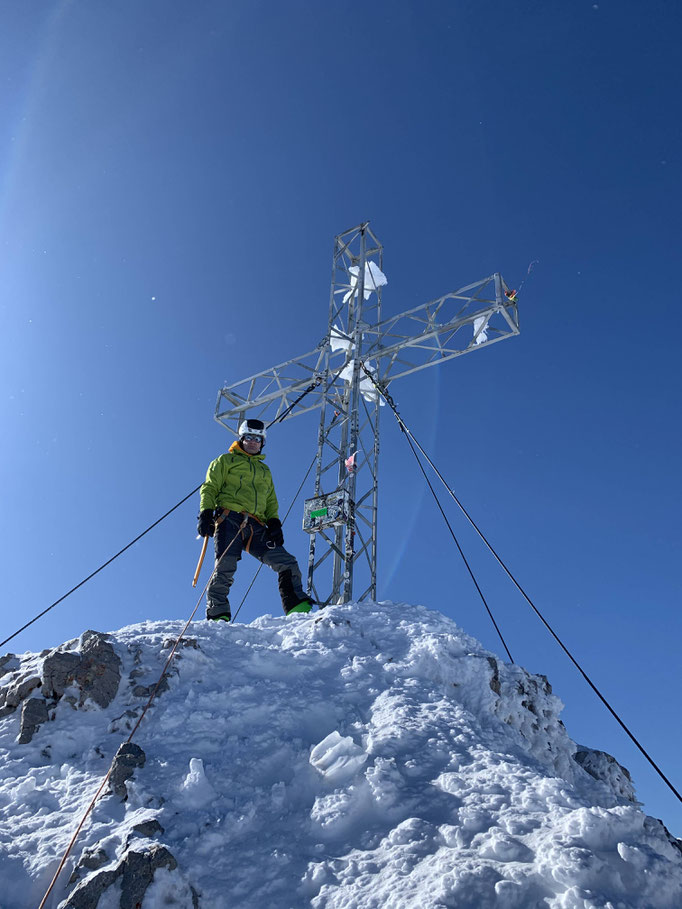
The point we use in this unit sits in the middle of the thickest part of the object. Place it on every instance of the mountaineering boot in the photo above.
(293, 600)
(218, 612)
(303, 606)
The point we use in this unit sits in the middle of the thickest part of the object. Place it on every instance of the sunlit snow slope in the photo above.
(369, 755)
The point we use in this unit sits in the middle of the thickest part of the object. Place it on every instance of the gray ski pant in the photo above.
(251, 538)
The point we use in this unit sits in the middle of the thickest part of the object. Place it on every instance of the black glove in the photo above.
(206, 525)
(273, 533)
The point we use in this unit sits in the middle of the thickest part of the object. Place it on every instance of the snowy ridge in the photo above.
(370, 755)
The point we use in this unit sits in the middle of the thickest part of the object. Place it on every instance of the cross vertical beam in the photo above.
(349, 421)
(331, 377)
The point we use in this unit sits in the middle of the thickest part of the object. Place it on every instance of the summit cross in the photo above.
(341, 517)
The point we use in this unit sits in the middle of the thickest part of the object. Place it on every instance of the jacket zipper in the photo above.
(253, 483)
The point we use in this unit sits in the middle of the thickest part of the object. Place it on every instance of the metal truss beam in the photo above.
(468, 319)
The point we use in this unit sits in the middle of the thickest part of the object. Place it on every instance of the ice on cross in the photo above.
(338, 340)
(368, 389)
(397, 346)
(480, 333)
(374, 278)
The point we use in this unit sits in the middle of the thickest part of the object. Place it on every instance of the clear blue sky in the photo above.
(172, 177)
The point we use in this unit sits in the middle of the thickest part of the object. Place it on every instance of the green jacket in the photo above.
(238, 481)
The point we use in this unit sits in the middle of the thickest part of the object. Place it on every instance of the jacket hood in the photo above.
(235, 448)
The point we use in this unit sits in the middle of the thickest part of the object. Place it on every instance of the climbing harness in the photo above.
(293, 502)
(278, 419)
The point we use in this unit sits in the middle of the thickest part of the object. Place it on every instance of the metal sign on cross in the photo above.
(341, 516)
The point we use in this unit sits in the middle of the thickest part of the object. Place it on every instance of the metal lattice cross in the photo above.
(341, 517)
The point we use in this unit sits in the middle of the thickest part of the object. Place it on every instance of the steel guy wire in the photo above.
(389, 400)
(97, 571)
(139, 536)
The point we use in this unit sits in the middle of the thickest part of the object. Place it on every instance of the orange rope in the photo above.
(136, 727)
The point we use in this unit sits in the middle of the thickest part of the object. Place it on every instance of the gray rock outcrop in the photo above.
(8, 663)
(126, 761)
(14, 693)
(95, 668)
(90, 860)
(137, 870)
(33, 715)
(148, 828)
(604, 767)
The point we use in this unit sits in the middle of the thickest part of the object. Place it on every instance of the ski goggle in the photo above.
(249, 437)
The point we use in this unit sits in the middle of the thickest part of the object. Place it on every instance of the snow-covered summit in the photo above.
(369, 755)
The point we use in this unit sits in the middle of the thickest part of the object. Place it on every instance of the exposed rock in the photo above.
(91, 860)
(124, 722)
(184, 642)
(652, 824)
(14, 693)
(495, 680)
(604, 767)
(101, 672)
(33, 715)
(8, 663)
(26, 686)
(145, 691)
(546, 683)
(59, 672)
(96, 669)
(128, 758)
(148, 828)
(137, 871)
(87, 894)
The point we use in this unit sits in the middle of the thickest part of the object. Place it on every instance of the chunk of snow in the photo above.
(338, 339)
(337, 757)
(196, 791)
(374, 278)
(367, 387)
(480, 333)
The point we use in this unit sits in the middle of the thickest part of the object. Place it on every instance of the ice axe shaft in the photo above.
(200, 562)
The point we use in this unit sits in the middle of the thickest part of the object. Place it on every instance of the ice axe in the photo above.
(200, 562)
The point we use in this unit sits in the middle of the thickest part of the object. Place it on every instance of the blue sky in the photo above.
(172, 176)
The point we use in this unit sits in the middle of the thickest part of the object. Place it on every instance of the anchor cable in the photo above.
(389, 400)
(278, 419)
(97, 570)
(464, 559)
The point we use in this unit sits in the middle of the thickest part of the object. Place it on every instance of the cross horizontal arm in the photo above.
(467, 319)
(457, 323)
(268, 394)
